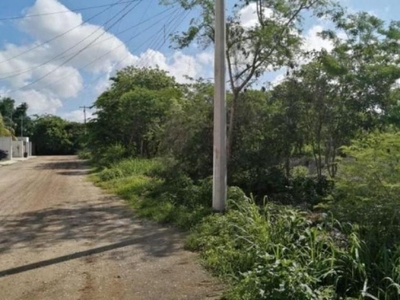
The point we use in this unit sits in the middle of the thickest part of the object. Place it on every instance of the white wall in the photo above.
(6, 145)
(18, 148)
(30, 149)
(25, 140)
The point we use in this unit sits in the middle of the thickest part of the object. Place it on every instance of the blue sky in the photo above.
(51, 80)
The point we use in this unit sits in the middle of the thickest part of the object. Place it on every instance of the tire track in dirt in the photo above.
(63, 238)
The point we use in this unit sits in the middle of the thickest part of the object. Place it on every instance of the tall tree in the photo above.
(133, 109)
(54, 136)
(16, 117)
(7, 110)
(4, 130)
(271, 43)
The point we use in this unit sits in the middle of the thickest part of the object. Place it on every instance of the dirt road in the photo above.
(63, 238)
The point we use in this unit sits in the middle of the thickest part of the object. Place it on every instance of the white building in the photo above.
(16, 149)
(6, 144)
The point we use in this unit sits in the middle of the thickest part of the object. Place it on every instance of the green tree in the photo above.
(22, 122)
(188, 131)
(7, 110)
(366, 64)
(350, 90)
(134, 109)
(272, 43)
(16, 117)
(4, 130)
(54, 136)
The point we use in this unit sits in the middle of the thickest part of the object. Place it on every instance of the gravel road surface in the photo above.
(63, 238)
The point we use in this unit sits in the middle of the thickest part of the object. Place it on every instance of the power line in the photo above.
(64, 11)
(153, 37)
(83, 49)
(115, 48)
(108, 38)
(140, 21)
(62, 34)
(70, 48)
(175, 25)
(177, 22)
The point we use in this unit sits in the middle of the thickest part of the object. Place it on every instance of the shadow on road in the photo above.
(69, 168)
(80, 254)
(63, 165)
(108, 224)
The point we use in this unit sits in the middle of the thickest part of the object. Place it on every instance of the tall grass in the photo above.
(275, 252)
(179, 201)
(265, 251)
(127, 168)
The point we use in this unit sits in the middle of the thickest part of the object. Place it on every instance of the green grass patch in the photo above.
(263, 251)
(152, 197)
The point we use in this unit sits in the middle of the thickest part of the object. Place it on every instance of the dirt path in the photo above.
(63, 238)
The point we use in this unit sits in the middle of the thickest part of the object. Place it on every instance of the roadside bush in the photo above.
(368, 187)
(298, 189)
(170, 196)
(128, 167)
(177, 187)
(108, 156)
(84, 154)
(275, 252)
(367, 195)
(110, 174)
(268, 253)
(309, 190)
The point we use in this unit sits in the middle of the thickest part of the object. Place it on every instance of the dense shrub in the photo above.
(84, 154)
(267, 251)
(297, 189)
(108, 155)
(274, 252)
(128, 167)
(368, 187)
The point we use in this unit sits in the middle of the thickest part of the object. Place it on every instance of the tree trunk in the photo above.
(231, 125)
(287, 165)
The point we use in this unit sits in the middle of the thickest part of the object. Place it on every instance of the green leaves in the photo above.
(55, 136)
(133, 111)
(274, 252)
(4, 131)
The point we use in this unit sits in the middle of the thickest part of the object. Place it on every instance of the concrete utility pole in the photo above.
(219, 176)
(84, 113)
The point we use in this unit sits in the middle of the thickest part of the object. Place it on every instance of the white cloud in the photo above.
(248, 15)
(52, 57)
(278, 80)
(313, 41)
(102, 84)
(205, 58)
(53, 78)
(178, 65)
(396, 85)
(77, 115)
(39, 103)
(65, 82)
